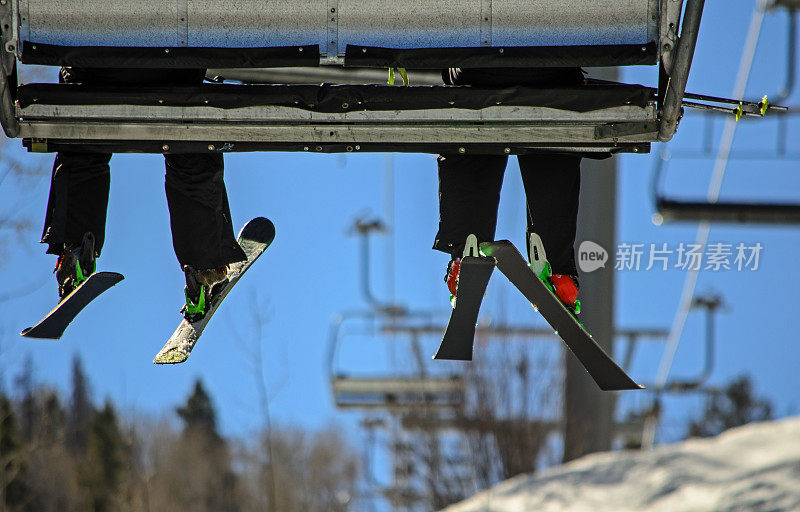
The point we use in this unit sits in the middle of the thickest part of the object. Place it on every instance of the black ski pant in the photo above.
(200, 219)
(469, 195)
(469, 185)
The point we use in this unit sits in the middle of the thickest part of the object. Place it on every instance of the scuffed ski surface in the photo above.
(183, 340)
(180, 345)
(254, 239)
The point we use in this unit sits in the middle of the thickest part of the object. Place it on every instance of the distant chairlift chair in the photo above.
(344, 33)
(398, 393)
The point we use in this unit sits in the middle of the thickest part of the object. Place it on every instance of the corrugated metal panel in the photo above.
(257, 23)
(410, 23)
(386, 23)
(103, 22)
(569, 22)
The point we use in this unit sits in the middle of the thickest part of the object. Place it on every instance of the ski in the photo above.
(56, 322)
(472, 282)
(254, 239)
(603, 369)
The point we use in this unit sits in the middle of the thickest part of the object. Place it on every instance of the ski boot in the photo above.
(451, 277)
(75, 265)
(454, 267)
(201, 286)
(564, 287)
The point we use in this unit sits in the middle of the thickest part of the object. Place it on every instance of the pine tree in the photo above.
(81, 409)
(101, 469)
(198, 414)
(13, 470)
(25, 385)
(52, 419)
(204, 454)
(736, 405)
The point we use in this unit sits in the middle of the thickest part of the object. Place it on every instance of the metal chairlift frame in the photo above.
(710, 304)
(477, 34)
(739, 212)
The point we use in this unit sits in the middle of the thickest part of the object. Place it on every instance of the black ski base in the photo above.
(55, 323)
(473, 279)
(603, 369)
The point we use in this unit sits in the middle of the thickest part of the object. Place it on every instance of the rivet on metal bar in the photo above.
(486, 22)
(332, 51)
(183, 22)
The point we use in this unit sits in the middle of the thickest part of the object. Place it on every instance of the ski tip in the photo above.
(445, 356)
(632, 386)
(29, 332)
(112, 276)
(260, 229)
(171, 356)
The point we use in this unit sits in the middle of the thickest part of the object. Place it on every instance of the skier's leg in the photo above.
(469, 194)
(75, 221)
(202, 231)
(552, 189)
(76, 215)
(78, 200)
(79, 188)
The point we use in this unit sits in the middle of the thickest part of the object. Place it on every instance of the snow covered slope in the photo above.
(755, 468)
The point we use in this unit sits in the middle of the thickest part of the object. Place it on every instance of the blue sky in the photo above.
(311, 272)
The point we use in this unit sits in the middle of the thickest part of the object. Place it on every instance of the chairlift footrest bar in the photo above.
(588, 150)
(332, 118)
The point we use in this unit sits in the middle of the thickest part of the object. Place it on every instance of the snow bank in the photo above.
(755, 468)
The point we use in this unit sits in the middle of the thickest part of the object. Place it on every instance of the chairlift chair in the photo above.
(344, 34)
